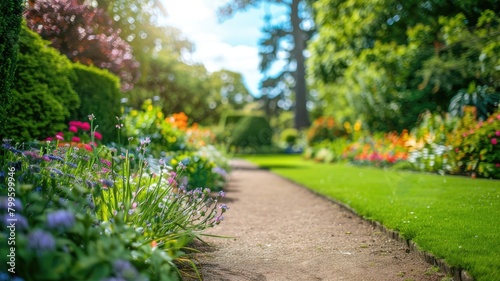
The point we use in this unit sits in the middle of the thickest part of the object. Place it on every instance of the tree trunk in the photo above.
(301, 115)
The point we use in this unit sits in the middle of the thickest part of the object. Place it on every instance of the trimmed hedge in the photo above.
(99, 93)
(10, 25)
(42, 97)
(251, 131)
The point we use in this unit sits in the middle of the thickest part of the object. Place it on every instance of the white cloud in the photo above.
(230, 45)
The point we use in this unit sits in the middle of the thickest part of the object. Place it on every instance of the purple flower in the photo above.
(124, 269)
(40, 240)
(107, 183)
(220, 171)
(15, 204)
(218, 219)
(222, 194)
(19, 221)
(106, 162)
(223, 207)
(60, 219)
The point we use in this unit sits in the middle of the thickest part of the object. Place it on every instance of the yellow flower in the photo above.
(134, 112)
(159, 114)
(150, 108)
(357, 126)
(173, 162)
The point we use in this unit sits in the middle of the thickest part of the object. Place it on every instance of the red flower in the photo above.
(494, 141)
(85, 126)
(75, 139)
(73, 129)
(98, 135)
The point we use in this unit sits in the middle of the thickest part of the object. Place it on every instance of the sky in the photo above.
(231, 44)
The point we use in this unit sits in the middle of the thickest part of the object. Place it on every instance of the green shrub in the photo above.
(251, 131)
(289, 136)
(10, 24)
(99, 93)
(42, 96)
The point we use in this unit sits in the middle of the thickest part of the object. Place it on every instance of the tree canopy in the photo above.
(388, 61)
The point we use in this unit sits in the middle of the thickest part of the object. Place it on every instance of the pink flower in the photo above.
(494, 141)
(497, 165)
(497, 133)
(60, 134)
(87, 147)
(85, 126)
(464, 135)
(73, 129)
(98, 135)
(498, 116)
(75, 139)
(59, 137)
(49, 139)
(75, 123)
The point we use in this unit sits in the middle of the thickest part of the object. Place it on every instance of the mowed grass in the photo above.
(454, 218)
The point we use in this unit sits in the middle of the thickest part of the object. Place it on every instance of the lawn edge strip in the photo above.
(458, 274)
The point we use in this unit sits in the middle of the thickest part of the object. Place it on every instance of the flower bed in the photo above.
(439, 144)
(99, 212)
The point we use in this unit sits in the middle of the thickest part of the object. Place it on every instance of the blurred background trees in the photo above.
(388, 61)
(283, 40)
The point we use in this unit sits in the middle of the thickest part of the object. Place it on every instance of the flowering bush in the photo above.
(430, 145)
(151, 123)
(478, 151)
(378, 150)
(324, 128)
(95, 216)
(79, 134)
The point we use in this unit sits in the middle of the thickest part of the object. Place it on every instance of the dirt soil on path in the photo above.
(281, 231)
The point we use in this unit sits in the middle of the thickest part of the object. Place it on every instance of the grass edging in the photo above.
(458, 274)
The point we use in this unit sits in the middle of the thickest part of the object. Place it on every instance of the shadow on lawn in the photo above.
(280, 166)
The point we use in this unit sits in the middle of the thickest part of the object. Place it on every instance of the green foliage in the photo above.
(99, 93)
(479, 97)
(179, 86)
(454, 218)
(289, 136)
(250, 131)
(386, 62)
(42, 96)
(10, 25)
(150, 123)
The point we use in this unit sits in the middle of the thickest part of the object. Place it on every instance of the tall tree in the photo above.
(84, 34)
(296, 33)
(10, 26)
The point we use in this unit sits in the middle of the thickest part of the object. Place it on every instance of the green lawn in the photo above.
(455, 218)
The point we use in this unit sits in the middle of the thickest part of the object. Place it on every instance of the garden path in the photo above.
(282, 231)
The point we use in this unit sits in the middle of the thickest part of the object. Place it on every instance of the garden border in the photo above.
(458, 274)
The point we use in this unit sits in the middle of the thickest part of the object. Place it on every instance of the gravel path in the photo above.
(281, 231)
